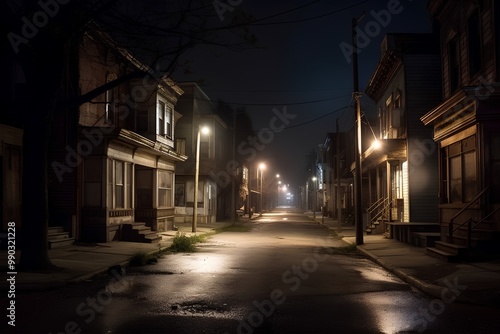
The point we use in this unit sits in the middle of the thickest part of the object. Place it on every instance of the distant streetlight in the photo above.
(262, 166)
(204, 130)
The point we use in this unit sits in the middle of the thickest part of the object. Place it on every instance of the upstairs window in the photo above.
(109, 103)
(164, 120)
(180, 145)
(474, 40)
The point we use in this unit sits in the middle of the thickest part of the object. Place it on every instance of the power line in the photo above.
(316, 119)
(272, 104)
(311, 18)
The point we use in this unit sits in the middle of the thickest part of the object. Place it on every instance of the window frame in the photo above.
(458, 154)
(164, 119)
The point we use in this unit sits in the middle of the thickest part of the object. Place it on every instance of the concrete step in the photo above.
(451, 248)
(425, 239)
(58, 243)
(58, 236)
(139, 232)
(55, 229)
(442, 255)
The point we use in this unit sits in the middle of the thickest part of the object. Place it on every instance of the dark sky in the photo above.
(301, 66)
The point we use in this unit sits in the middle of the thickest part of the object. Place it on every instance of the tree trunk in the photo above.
(43, 72)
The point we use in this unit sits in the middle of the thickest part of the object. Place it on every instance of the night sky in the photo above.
(301, 65)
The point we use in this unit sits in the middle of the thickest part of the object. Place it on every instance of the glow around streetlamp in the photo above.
(204, 130)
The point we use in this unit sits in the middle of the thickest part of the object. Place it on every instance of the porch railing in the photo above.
(378, 209)
(452, 228)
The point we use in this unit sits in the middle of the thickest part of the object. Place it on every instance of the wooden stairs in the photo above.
(58, 238)
(482, 243)
(139, 232)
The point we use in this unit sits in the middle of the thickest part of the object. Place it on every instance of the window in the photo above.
(165, 179)
(109, 104)
(453, 64)
(119, 185)
(459, 171)
(164, 120)
(180, 146)
(180, 196)
(474, 39)
(119, 188)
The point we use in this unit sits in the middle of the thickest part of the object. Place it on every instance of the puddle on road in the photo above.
(200, 308)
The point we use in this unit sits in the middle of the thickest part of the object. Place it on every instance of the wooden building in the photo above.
(399, 169)
(466, 127)
(214, 186)
(112, 176)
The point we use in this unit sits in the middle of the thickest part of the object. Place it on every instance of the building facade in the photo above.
(117, 178)
(399, 167)
(214, 185)
(336, 180)
(466, 123)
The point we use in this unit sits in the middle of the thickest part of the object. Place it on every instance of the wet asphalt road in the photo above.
(286, 275)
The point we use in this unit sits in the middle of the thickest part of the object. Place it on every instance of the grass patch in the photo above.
(183, 243)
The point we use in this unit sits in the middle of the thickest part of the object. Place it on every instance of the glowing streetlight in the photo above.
(204, 130)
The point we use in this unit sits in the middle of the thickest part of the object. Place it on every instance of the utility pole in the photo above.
(233, 173)
(337, 168)
(358, 218)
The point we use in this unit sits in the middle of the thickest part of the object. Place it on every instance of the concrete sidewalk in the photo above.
(472, 282)
(80, 261)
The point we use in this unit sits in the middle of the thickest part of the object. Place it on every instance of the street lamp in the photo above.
(204, 130)
(278, 195)
(262, 166)
(314, 197)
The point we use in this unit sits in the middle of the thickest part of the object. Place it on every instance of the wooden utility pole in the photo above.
(358, 218)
